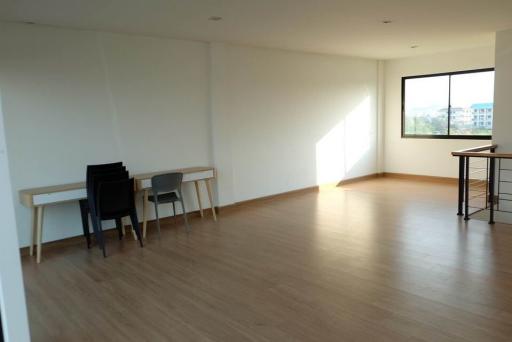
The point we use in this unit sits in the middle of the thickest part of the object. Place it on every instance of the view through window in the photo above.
(449, 105)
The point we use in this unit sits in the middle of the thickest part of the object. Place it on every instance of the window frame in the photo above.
(444, 136)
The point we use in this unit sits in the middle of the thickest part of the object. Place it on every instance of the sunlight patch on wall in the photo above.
(344, 145)
(330, 159)
(358, 135)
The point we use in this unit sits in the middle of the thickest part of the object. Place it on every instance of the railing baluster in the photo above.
(461, 185)
(499, 183)
(466, 190)
(492, 174)
(487, 183)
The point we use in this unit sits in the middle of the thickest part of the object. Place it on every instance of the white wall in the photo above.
(271, 121)
(73, 98)
(295, 119)
(12, 297)
(502, 120)
(159, 91)
(425, 156)
(220, 125)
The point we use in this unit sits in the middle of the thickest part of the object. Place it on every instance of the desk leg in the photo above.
(39, 223)
(33, 229)
(209, 188)
(123, 229)
(145, 204)
(196, 183)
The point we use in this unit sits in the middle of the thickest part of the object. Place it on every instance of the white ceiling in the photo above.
(348, 27)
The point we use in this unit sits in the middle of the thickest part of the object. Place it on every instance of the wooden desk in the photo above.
(38, 198)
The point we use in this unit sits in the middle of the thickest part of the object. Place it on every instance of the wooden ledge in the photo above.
(478, 152)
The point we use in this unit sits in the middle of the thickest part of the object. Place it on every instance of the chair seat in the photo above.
(165, 198)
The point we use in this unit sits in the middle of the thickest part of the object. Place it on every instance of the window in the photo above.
(455, 105)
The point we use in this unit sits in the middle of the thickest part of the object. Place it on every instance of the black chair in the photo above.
(94, 182)
(114, 199)
(84, 204)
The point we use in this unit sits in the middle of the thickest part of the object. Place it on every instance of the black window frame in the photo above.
(443, 136)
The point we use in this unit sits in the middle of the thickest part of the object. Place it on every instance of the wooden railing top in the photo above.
(478, 152)
(477, 149)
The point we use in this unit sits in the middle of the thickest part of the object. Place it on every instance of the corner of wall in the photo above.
(12, 295)
(502, 100)
(220, 130)
(380, 115)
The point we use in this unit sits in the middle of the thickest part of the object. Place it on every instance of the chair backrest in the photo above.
(94, 173)
(103, 167)
(166, 182)
(115, 197)
(111, 174)
(96, 178)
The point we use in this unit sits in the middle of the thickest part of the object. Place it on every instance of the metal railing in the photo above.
(492, 191)
(478, 184)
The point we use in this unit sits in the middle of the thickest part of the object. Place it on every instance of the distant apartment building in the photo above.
(460, 117)
(482, 115)
(478, 116)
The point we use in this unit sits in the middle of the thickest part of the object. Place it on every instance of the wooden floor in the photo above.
(379, 260)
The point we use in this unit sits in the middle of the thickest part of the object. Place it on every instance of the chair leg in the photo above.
(157, 219)
(119, 226)
(135, 225)
(100, 238)
(85, 221)
(123, 227)
(174, 212)
(184, 212)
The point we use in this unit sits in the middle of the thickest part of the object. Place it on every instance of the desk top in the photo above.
(27, 194)
(186, 170)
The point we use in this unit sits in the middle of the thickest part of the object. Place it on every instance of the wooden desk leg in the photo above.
(33, 230)
(145, 204)
(133, 233)
(123, 229)
(40, 211)
(196, 183)
(209, 188)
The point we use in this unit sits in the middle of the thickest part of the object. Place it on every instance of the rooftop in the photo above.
(482, 105)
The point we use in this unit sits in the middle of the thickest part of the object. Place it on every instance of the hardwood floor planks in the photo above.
(383, 259)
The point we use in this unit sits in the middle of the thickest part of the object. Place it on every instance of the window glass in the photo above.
(472, 92)
(450, 105)
(426, 105)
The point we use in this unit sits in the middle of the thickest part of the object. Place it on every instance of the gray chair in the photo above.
(167, 189)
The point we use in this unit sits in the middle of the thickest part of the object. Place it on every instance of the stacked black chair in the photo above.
(115, 199)
(85, 209)
(110, 196)
(95, 180)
